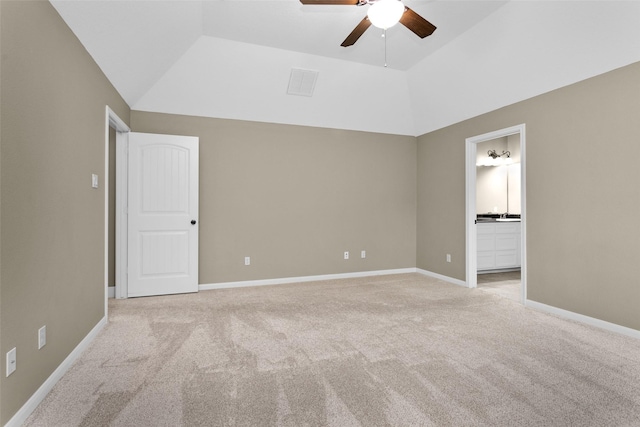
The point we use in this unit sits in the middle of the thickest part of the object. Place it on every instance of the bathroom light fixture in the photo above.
(494, 155)
(495, 159)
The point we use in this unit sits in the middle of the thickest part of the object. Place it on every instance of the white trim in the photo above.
(21, 416)
(105, 183)
(591, 321)
(122, 231)
(116, 122)
(523, 211)
(442, 277)
(470, 209)
(122, 139)
(282, 281)
(112, 292)
(470, 203)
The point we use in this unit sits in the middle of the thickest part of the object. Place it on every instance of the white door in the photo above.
(162, 214)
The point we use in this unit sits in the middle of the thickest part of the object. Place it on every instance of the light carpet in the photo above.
(402, 350)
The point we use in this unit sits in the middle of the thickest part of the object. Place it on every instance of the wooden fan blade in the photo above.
(339, 2)
(416, 23)
(357, 32)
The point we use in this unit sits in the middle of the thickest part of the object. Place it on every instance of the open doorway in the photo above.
(498, 210)
(495, 211)
(116, 131)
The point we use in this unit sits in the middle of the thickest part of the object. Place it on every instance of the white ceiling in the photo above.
(233, 58)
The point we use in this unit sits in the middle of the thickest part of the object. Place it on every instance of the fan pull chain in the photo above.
(384, 35)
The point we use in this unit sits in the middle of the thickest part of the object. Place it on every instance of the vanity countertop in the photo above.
(480, 220)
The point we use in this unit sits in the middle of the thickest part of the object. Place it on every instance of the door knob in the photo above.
(193, 222)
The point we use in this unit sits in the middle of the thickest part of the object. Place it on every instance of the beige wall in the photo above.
(295, 198)
(583, 195)
(52, 246)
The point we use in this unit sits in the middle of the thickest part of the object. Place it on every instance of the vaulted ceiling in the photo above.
(233, 58)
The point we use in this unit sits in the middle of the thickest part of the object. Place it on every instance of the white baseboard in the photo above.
(21, 416)
(612, 327)
(285, 280)
(441, 277)
(112, 291)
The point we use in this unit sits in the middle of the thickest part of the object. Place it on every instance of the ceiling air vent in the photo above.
(302, 82)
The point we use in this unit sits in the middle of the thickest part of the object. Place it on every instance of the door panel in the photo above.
(164, 253)
(163, 203)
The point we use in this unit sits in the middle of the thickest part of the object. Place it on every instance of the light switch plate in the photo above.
(11, 361)
(94, 180)
(42, 337)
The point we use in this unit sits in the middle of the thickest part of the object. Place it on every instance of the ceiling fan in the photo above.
(382, 14)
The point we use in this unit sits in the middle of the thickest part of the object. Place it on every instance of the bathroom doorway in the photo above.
(495, 211)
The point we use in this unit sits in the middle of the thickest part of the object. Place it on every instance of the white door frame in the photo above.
(122, 141)
(471, 234)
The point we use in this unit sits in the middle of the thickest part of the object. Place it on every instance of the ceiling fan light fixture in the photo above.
(385, 13)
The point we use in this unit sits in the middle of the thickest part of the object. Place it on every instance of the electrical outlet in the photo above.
(42, 337)
(346, 255)
(247, 260)
(11, 361)
(448, 257)
(363, 254)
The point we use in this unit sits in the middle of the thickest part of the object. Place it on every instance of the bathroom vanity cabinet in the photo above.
(498, 246)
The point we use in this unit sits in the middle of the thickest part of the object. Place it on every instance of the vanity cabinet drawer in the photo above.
(486, 260)
(507, 227)
(507, 259)
(486, 243)
(506, 242)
